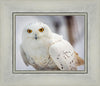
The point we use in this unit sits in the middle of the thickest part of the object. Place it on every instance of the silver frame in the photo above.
(92, 78)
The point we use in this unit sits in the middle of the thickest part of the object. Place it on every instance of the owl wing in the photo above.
(62, 54)
(24, 57)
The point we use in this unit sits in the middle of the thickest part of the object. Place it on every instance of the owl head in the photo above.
(36, 31)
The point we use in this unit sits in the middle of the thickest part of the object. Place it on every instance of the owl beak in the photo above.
(36, 36)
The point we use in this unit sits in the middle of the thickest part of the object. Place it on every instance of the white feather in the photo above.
(48, 51)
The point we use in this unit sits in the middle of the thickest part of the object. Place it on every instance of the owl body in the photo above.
(35, 52)
(46, 50)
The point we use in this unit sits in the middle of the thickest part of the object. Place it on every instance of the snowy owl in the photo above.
(45, 50)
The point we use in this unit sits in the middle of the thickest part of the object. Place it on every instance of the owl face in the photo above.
(36, 31)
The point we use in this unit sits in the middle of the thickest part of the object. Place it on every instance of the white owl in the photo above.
(45, 50)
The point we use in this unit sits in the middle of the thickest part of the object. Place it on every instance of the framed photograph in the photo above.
(68, 27)
(49, 43)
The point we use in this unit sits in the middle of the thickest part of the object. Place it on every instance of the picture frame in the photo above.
(6, 48)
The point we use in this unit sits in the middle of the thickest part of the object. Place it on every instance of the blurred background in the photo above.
(70, 27)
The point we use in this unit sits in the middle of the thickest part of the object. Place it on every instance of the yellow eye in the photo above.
(41, 29)
(29, 31)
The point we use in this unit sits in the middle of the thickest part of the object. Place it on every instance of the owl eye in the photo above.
(41, 29)
(29, 31)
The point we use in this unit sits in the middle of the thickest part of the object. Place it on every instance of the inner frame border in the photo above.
(14, 14)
